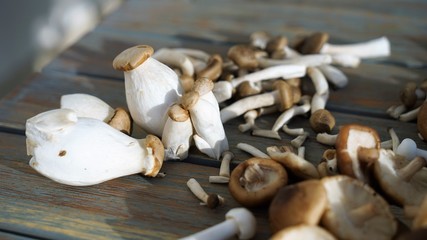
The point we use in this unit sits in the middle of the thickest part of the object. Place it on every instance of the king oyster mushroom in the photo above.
(86, 151)
(151, 87)
(204, 112)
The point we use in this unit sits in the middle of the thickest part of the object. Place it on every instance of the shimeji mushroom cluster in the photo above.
(182, 97)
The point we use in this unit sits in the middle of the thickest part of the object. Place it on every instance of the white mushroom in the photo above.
(151, 87)
(224, 170)
(239, 222)
(251, 150)
(86, 151)
(210, 200)
(379, 47)
(177, 133)
(292, 131)
(86, 105)
(408, 148)
(326, 138)
(334, 76)
(312, 60)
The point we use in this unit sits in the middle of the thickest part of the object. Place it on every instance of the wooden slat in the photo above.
(130, 207)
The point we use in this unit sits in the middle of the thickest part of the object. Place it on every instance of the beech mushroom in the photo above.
(300, 203)
(379, 47)
(210, 200)
(251, 150)
(408, 149)
(322, 121)
(402, 180)
(351, 138)
(238, 222)
(86, 151)
(151, 87)
(121, 120)
(177, 133)
(213, 68)
(355, 211)
(255, 181)
(224, 170)
(297, 165)
(422, 121)
(306, 232)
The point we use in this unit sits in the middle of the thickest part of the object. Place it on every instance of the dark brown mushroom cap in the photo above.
(276, 44)
(243, 56)
(132, 57)
(300, 203)
(408, 96)
(286, 95)
(213, 68)
(422, 121)
(322, 121)
(263, 189)
(350, 138)
(246, 89)
(313, 43)
(121, 121)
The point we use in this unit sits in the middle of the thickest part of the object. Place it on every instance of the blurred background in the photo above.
(34, 32)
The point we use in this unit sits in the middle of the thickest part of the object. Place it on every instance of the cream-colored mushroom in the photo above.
(379, 47)
(326, 138)
(86, 151)
(151, 87)
(86, 105)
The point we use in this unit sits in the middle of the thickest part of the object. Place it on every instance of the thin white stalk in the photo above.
(292, 131)
(287, 115)
(252, 150)
(312, 60)
(345, 60)
(379, 47)
(318, 79)
(410, 115)
(334, 76)
(319, 101)
(394, 139)
(299, 140)
(396, 110)
(301, 152)
(326, 138)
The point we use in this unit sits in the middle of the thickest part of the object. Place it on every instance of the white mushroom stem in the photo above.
(334, 76)
(174, 58)
(298, 141)
(345, 60)
(379, 47)
(239, 221)
(319, 101)
(252, 150)
(388, 144)
(218, 179)
(223, 90)
(318, 79)
(362, 213)
(326, 138)
(200, 193)
(407, 172)
(281, 71)
(410, 115)
(86, 105)
(224, 169)
(301, 152)
(394, 139)
(311, 60)
(408, 149)
(291, 53)
(194, 53)
(396, 110)
(292, 131)
(249, 124)
(296, 110)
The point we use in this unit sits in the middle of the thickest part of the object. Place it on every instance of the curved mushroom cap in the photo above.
(313, 43)
(403, 181)
(276, 44)
(121, 121)
(244, 56)
(350, 138)
(213, 68)
(322, 121)
(286, 95)
(178, 114)
(300, 203)
(356, 211)
(255, 181)
(305, 232)
(132, 57)
(203, 85)
(408, 96)
(422, 121)
(155, 145)
(299, 166)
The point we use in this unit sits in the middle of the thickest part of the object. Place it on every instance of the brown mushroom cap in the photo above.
(275, 46)
(420, 220)
(189, 99)
(213, 68)
(322, 121)
(408, 96)
(313, 43)
(300, 203)
(422, 121)
(158, 152)
(203, 85)
(356, 211)
(243, 56)
(246, 89)
(121, 121)
(255, 181)
(350, 138)
(132, 57)
(178, 114)
(286, 94)
(301, 232)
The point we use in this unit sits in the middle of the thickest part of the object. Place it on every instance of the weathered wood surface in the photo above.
(135, 207)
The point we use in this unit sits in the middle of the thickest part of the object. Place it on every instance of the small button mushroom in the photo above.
(291, 161)
(408, 94)
(402, 180)
(255, 181)
(313, 43)
(350, 139)
(86, 151)
(151, 87)
(322, 121)
(422, 121)
(275, 47)
(238, 222)
(299, 232)
(300, 203)
(210, 200)
(355, 211)
(244, 56)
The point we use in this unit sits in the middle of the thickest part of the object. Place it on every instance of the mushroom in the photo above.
(255, 181)
(238, 222)
(259, 39)
(86, 151)
(408, 149)
(402, 180)
(251, 150)
(204, 111)
(328, 164)
(210, 200)
(322, 121)
(355, 211)
(224, 169)
(334, 76)
(351, 138)
(295, 204)
(422, 120)
(420, 220)
(177, 133)
(175, 59)
(297, 165)
(151, 87)
(213, 68)
(312, 60)
(121, 120)
(326, 138)
(379, 47)
(307, 232)
(313, 43)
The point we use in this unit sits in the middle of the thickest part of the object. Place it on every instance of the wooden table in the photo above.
(135, 207)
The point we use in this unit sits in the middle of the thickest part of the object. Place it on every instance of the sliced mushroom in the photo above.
(151, 87)
(306, 232)
(86, 151)
(300, 203)
(255, 181)
(356, 211)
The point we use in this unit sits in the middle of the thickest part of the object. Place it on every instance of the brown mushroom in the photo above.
(322, 121)
(313, 44)
(121, 121)
(213, 68)
(300, 203)
(306, 232)
(255, 181)
(408, 95)
(422, 121)
(244, 56)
